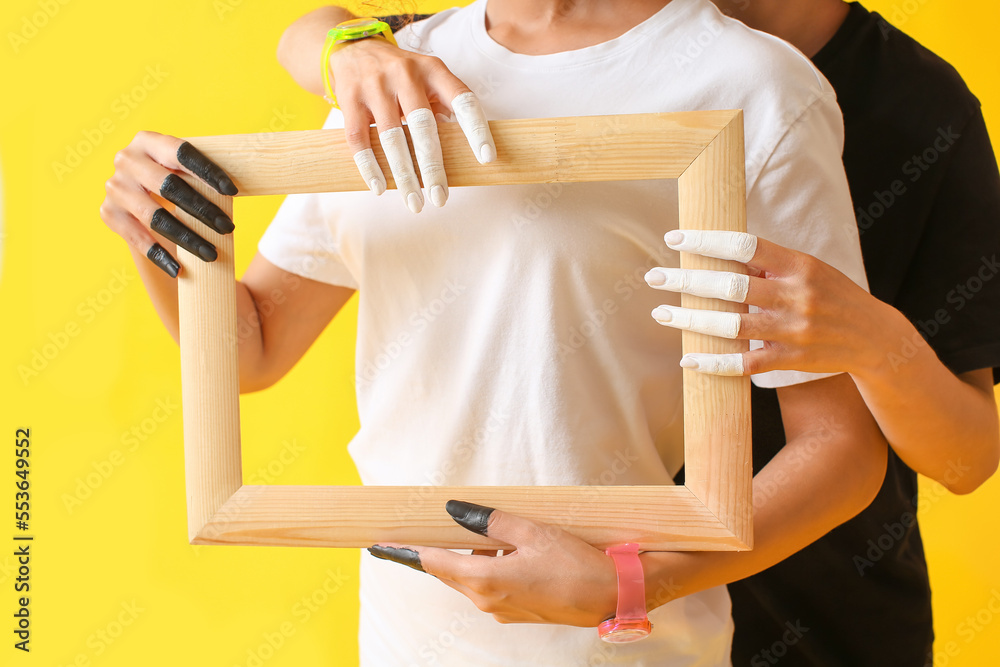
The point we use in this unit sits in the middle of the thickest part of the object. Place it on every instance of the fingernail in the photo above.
(414, 202)
(377, 186)
(487, 154)
(400, 555)
(688, 362)
(442, 118)
(438, 196)
(224, 225)
(207, 252)
(469, 515)
(663, 314)
(655, 278)
(161, 258)
(674, 237)
(227, 187)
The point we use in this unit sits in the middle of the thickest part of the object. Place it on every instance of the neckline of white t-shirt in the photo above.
(672, 12)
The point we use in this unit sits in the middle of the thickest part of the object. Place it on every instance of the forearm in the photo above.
(938, 424)
(162, 290)
(815, 483)
(301, 46)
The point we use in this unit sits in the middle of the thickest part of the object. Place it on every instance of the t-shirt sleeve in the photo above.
(801, 200)
(952, 290)
(302, 240)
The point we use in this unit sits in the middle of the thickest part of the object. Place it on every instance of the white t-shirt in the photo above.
(506, 338)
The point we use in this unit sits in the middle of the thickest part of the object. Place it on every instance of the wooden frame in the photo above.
(702, 150)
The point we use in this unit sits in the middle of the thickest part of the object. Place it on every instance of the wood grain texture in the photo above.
(658, 518)
(585, 148)
(206, 294)
(718, 465)
(703, 150)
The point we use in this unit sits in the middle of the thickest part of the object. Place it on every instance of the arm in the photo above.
(830, 469)
(944, 426)
(814, 318)
(301, 44)
(279, 314)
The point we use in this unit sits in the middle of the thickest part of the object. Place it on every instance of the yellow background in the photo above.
(114, 580)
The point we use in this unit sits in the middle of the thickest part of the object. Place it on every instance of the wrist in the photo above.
(629, 622)
(889, 341)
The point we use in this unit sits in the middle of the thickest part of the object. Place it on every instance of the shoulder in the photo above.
(874, 66)
(420, 35)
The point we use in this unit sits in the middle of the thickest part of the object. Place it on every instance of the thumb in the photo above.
(505, 527)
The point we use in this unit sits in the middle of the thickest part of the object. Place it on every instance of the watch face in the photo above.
(356, 28)
(622, 631)
(625, 635)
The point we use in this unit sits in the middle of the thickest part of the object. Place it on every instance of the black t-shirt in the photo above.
(926, 192)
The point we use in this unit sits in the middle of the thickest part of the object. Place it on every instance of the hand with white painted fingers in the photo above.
(378, 82)
(147, 174)
(810, 316)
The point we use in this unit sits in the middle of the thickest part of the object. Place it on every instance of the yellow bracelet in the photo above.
(343, 34)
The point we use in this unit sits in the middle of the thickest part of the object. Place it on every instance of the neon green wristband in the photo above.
(345, 33)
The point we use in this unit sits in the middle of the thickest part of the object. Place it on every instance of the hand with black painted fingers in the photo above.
(149, 170)
(377, 82)
(810, 316)
(550, 576)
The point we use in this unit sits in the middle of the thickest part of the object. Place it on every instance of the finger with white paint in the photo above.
(709, 322)
(709, 284)
(737, 246)
(427, 147)
(714, 364)
(370, 171)
(397, 154)
(472, 119)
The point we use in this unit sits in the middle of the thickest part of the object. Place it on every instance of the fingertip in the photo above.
(674, 237)
(227, 187)
(470, 516)
(207, 252)
(655, 278)
(487, 154)
(415, 202)
(438, 196)
(159, 256)
(687, 361)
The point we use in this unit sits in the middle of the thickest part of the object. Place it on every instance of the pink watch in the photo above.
(630, 622)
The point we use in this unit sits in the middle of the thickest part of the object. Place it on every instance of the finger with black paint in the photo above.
(400, 555)
(172, 229)
(176, 191)
(195, 161)
(469, 515)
